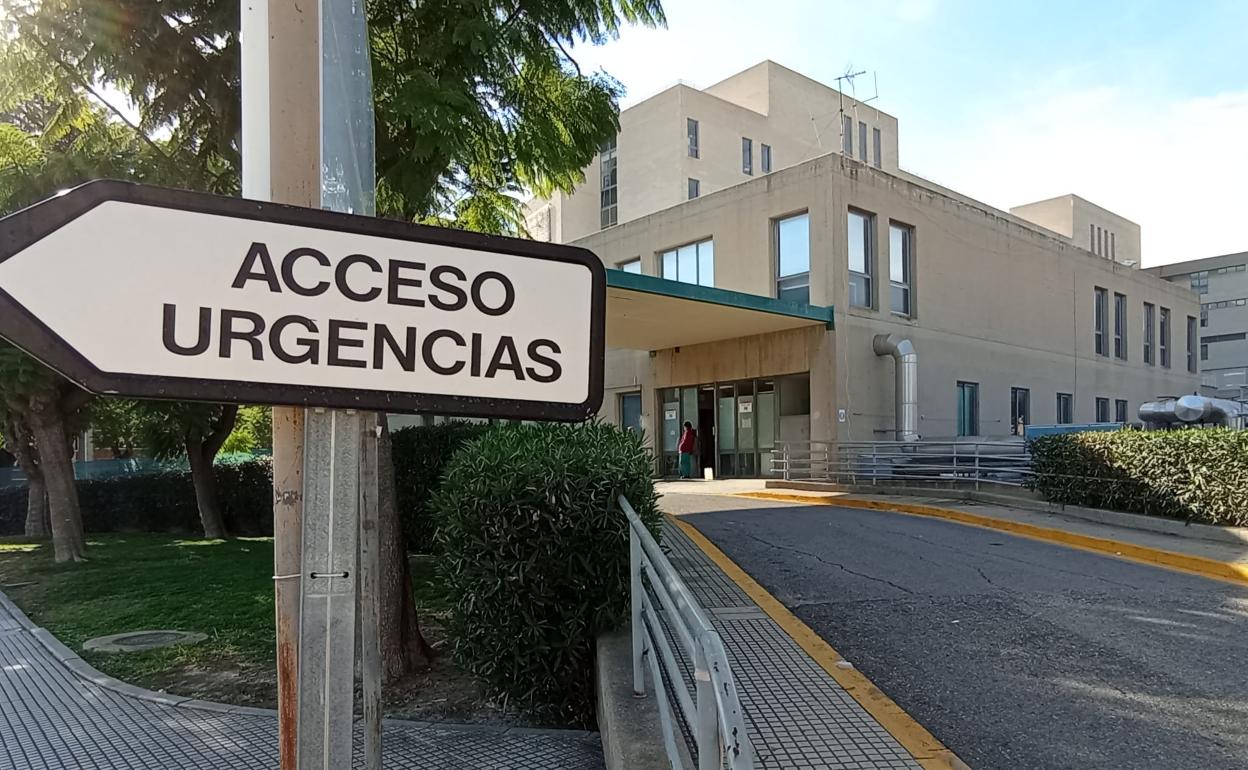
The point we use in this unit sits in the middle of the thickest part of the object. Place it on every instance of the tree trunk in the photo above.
(38, 524)
(403, 647)
(204, 479)
(47, 424)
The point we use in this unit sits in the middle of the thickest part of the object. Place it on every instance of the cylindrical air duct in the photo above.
(906, 383)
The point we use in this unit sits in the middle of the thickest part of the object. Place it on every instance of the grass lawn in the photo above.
(220, 588)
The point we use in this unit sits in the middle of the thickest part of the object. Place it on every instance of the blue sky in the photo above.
(1141, 107)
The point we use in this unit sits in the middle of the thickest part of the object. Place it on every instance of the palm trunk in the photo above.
(204, 479)
(403, 647)
(47, 425)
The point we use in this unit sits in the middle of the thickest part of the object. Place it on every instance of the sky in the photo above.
(1140, 106)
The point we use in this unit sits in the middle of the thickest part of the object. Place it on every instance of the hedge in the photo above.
(534, 549)
(420, 454)
(162, 502)
(1196, 475)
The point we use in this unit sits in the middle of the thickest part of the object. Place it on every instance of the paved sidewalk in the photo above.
(798, 715)
(52, 718)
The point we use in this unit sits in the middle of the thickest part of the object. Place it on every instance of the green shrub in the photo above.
(1197, 475)
(535, 554)
(162, 502)
(420, 454)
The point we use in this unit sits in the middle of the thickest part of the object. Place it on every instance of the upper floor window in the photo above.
(792, 238)
(1120, 326)
(861, 257)
(1191, 343)
(691, 263)
(695, 188)
(862, 141)
(747, 155)
(1150, 329)
(691, 126)
(900, 267)
(631, 266)
(847, 136)
(609, 202)
(1200, 282)
(1164, 345)
(1100, 311)
(765, 157)
(877, 146)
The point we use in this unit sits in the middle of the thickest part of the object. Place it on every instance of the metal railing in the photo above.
(949, 463)
(664, 615)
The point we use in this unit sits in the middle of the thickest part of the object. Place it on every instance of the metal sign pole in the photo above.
(370, 592)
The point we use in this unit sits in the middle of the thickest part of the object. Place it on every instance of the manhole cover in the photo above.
(135, 641)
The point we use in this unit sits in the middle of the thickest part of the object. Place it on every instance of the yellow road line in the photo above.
(929, 752)
(1230, 572)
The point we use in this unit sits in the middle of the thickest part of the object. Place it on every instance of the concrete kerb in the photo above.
(70, 659)
(1231, 535)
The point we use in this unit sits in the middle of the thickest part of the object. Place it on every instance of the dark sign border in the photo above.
(22, 229)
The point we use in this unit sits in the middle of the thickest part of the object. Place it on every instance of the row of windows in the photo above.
(1102, 242)
(1153, 348)
(862, 260)
(1216, 338)
(1224, 303)
(1199, 281)
(1020, 409)
(847, 141)
(609, 212)
(747, 150)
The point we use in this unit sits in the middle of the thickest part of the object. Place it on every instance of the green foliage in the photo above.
(1197, 475)
(116, 423)
(420, 454)
(162, 502)
(253, 431)
(535, 552)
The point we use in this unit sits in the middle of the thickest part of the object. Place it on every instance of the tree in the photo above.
(21, 444)
(476, 101)
(116, 423)
(171, 429)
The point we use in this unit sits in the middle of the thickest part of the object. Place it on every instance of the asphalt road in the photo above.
(1016, 654)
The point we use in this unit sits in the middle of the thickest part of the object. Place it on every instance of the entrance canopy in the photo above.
(648, 313)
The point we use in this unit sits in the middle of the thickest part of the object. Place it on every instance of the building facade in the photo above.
(1221, 283)
(1012, 321)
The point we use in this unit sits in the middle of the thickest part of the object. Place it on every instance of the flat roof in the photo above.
(649, 313)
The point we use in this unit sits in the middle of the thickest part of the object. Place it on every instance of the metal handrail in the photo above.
(875, 462)
(660, 597)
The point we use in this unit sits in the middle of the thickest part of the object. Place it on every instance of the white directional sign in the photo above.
(157, 293)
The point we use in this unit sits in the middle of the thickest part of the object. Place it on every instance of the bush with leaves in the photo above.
(535, 553)
(1196, 475)
(420, 454)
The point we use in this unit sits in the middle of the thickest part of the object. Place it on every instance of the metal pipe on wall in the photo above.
(906, 383)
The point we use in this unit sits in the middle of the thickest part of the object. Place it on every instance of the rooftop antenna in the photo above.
(848, 77)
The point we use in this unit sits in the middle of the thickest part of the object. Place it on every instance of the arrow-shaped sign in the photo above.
(154, 293)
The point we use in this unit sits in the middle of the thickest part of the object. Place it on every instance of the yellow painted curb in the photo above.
(929, 752)
(1181, 562)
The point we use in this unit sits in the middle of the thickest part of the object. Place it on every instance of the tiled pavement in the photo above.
(798, 716)
(52, 718)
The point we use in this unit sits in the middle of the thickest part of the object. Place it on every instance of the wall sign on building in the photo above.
(154, 293)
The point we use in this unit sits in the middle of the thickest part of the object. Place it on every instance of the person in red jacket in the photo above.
(688, 442)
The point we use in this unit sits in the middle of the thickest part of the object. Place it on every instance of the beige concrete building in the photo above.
(1096, 229)
(1222, 285)
(995, 321)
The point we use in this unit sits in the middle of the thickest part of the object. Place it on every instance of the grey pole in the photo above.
(370, 593)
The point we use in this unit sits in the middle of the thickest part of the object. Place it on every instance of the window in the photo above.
(1200, 282)
(861, 257)
(792, 237)
(1120, 410)
(630, 412)
(1204, 352)
(862, 141)
(695, 188)
(691, 126)
(1191, 343)
(1020, 410)
(1113, 247)
(1102, 409)
(691, 263)
(1065, 408)
(1120, 326)
(847, 136)
(765, 153)
(1092, 238)
(968, 409)
(1150, 323)
(875, 141)
(610, 198)
(1101, 311)
(1164, 345)
(900, 267)
(747, 156)
(631, 266)
(1237, 337)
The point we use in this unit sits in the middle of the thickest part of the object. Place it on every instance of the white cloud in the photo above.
(1178, 167)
